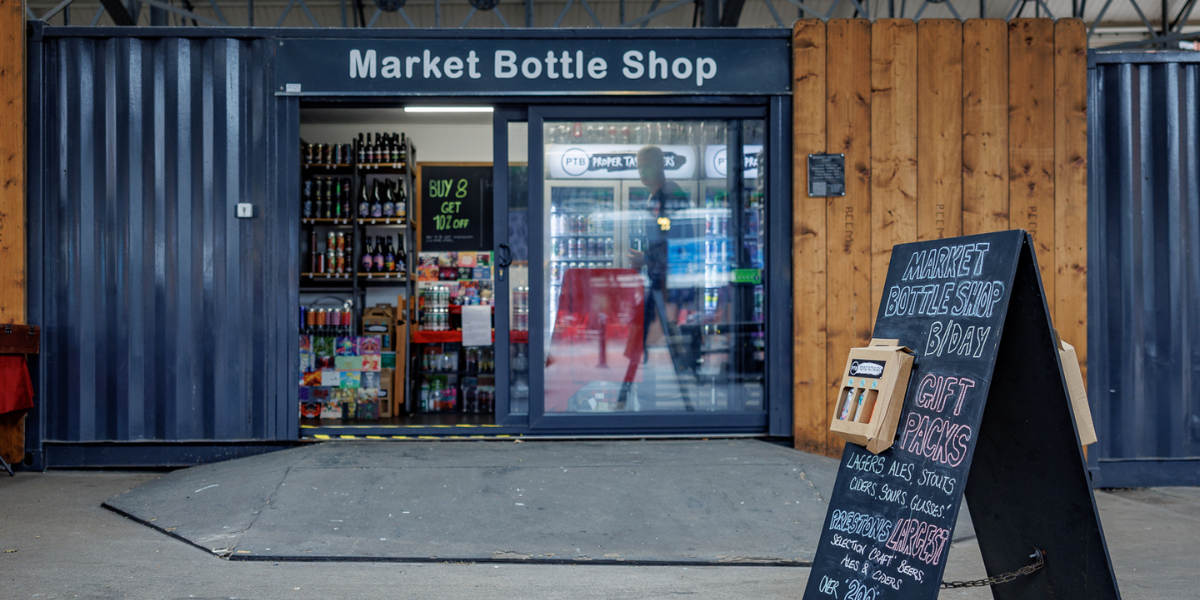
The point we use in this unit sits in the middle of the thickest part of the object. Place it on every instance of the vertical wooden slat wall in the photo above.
(949, 128)
(12, 162)
(808, 239)
(12, 196)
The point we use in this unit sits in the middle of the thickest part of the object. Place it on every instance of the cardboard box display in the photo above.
(379, 320)
(1078, 393)
(370, 363)
(370, 345)
(351, 380)
(386, 402)
(867, 409)
(348, 363)
(331, 378)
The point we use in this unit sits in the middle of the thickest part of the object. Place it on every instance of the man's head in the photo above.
(650, 167)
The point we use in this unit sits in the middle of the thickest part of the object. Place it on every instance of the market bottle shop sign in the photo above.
(348, 67)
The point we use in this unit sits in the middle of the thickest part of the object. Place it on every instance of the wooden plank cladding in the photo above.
(12, 197)
(809, 417)
(12, 161)
(949, 128)
(939, 129)
(849, 311)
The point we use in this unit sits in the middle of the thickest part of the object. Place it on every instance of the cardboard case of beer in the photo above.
(867, 408)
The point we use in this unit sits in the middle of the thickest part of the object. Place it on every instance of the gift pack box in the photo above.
(867, 410)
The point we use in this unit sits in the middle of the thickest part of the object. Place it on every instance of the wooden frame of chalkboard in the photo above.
(987, 416)
(454, 216)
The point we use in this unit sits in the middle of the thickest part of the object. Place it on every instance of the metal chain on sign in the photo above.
(1039, 561)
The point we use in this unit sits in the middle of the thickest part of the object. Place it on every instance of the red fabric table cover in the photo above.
(16, 390)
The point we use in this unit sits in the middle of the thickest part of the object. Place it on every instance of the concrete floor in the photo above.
(57, 542)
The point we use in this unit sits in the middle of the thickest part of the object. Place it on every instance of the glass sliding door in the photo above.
(510, 170)
(651, 282)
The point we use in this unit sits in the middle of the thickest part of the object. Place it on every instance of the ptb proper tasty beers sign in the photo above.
(339, 67)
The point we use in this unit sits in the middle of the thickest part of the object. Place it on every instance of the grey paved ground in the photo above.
(58, 542)
(647, 501)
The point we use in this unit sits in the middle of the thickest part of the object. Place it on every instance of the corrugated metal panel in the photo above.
(165, 317)
(1144, 262)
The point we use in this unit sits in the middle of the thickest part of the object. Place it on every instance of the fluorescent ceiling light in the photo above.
(448, 109)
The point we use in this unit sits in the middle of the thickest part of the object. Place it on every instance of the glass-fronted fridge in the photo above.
(653, 277)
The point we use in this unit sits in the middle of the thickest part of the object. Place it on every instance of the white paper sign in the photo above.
(477, 325)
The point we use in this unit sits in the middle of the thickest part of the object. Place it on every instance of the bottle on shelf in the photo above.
(368, 259)
(401, 199)
(389, 199)
(403, 158)
(364, 202)
(401, 257)
(376, 201)
(379, 257)
(389, 258)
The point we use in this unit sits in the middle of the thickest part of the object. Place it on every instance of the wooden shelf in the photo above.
(381, 166)
(326, 165)
(383, 222)
(352, 222)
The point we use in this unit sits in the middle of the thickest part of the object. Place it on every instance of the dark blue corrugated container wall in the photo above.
(1144, 268)
(165, 317)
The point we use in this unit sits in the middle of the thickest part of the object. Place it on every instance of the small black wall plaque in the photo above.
(826, 175)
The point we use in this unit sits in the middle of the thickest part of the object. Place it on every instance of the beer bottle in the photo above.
(389, 199)
(401, 256)
(379, 254)
(368, 259)
(364, 202)
(401, 200)
(403, 149)
(377, 201)
(389, 259)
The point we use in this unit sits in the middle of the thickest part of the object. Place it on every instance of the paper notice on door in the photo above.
(477, 325)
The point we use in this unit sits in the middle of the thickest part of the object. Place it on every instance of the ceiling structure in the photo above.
(1112, 24)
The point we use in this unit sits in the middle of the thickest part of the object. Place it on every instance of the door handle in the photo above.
(504, 256)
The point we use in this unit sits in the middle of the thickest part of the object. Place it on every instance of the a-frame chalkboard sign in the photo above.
(986, 414)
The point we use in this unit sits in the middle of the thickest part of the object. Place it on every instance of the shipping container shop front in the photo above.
(317, 234)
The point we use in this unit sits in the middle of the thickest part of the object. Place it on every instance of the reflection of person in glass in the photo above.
(654, 256)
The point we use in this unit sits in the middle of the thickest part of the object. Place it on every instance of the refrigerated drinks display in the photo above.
(654, 270)
(450, 377)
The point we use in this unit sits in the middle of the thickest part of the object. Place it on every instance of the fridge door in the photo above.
(654, 334)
